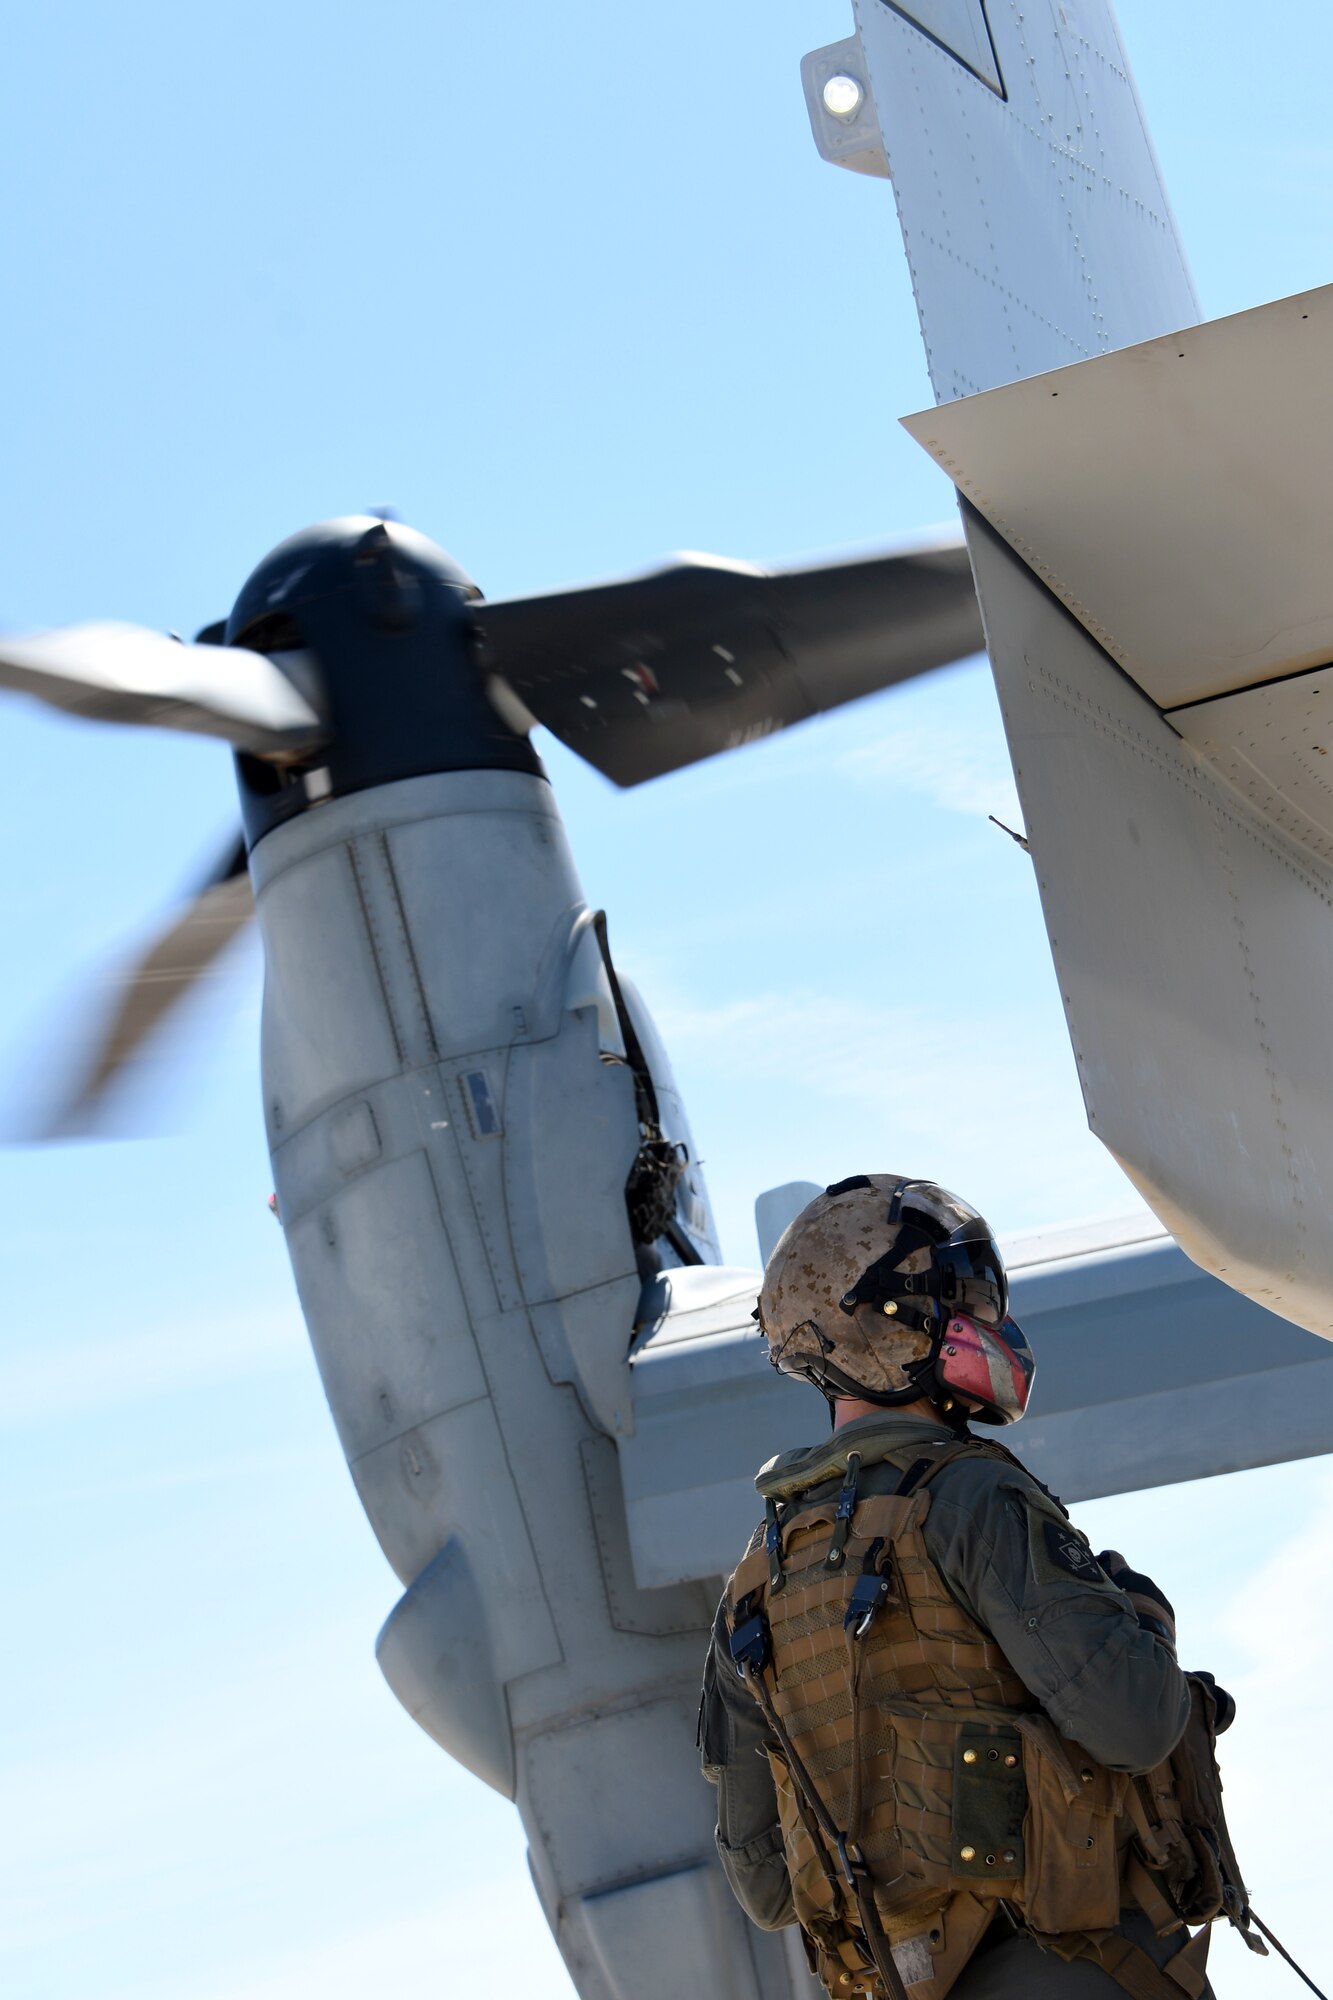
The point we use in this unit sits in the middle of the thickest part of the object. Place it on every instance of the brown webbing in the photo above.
(1140, 1976)
(854, 1870)
(938, 1671)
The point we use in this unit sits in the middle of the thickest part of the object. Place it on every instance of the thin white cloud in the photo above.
(72, 1377)
(909, 1062)
(967, 772)
(990, 1107)
(1244, 1558)
(1282, 1621)
(492, 1936)
(263, 1782)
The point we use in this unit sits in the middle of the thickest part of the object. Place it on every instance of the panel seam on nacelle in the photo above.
(420, 1423)
(396, 899)
(367, 919)
(274, 872)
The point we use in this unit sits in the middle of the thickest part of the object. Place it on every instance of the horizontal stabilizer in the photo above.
(1174, 496)
(126, 673)
(1148, 1372)
(654, 672)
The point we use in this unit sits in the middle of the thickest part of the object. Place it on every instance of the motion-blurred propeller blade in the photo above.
(151, 987)
(263, 703)
(654, 672)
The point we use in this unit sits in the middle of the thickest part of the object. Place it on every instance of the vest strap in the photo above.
(1139, 1975)
(773, 1545)
(842, 1520)
(1151, 1898)
(856, 1875)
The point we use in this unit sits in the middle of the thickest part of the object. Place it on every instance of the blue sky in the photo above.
(570, 289)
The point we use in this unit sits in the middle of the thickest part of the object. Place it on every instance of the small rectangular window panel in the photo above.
(961, 29)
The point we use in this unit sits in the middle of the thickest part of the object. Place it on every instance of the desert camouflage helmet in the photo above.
(887, 1289)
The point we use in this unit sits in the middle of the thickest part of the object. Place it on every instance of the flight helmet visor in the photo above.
(971, 1276)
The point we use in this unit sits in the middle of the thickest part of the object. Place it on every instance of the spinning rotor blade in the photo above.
(149, 989)
(125, 673)
(655, 672)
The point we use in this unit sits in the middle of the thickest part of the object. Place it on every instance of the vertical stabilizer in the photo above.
(1032, 208)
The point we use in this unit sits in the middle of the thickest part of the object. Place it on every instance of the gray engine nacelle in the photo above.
(453, 1118)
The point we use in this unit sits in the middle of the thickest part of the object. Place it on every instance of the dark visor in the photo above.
(973, 1277)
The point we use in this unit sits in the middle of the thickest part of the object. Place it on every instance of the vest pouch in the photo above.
(990, 1800)
(1185, 1837)
(1071, 1881)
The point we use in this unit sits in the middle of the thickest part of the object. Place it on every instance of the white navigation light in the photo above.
(842, 96)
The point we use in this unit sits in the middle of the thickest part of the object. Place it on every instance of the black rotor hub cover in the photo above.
(387, 615)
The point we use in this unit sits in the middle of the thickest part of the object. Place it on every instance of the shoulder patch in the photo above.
(1068, 1551)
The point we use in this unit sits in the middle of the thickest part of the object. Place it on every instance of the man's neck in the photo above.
(848, 1409)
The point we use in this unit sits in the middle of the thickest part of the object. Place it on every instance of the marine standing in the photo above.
(948, 1740)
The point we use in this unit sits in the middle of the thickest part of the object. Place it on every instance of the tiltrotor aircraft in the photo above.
(543, 1378)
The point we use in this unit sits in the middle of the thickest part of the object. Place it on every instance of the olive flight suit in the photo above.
(1004, 1551)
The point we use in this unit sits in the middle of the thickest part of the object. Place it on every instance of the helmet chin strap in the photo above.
(836, 1387)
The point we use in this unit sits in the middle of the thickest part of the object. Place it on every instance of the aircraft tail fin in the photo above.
(1032, 208)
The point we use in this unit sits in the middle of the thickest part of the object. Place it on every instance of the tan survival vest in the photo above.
(920, 1788)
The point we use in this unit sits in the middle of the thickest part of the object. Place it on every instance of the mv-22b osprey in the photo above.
(500, 1234)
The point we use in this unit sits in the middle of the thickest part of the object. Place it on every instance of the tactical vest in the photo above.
(920, 1788)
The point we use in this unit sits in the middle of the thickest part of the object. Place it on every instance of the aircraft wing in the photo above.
(1148, 1371)
(647, 674)
(1150, 540)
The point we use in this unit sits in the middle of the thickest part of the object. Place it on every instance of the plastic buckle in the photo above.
(750, 1646)
(842, 1520)
(773, 1545)
(849, 1860)
(871, 1592)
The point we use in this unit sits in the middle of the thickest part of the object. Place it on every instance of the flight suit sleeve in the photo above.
(1012, 1559)
(733, 1742)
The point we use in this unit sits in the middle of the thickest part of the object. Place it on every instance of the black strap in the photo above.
(842, 1521)
(870, 1592)
(1280, 1949)
(773, 1545)
(645, 1090)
